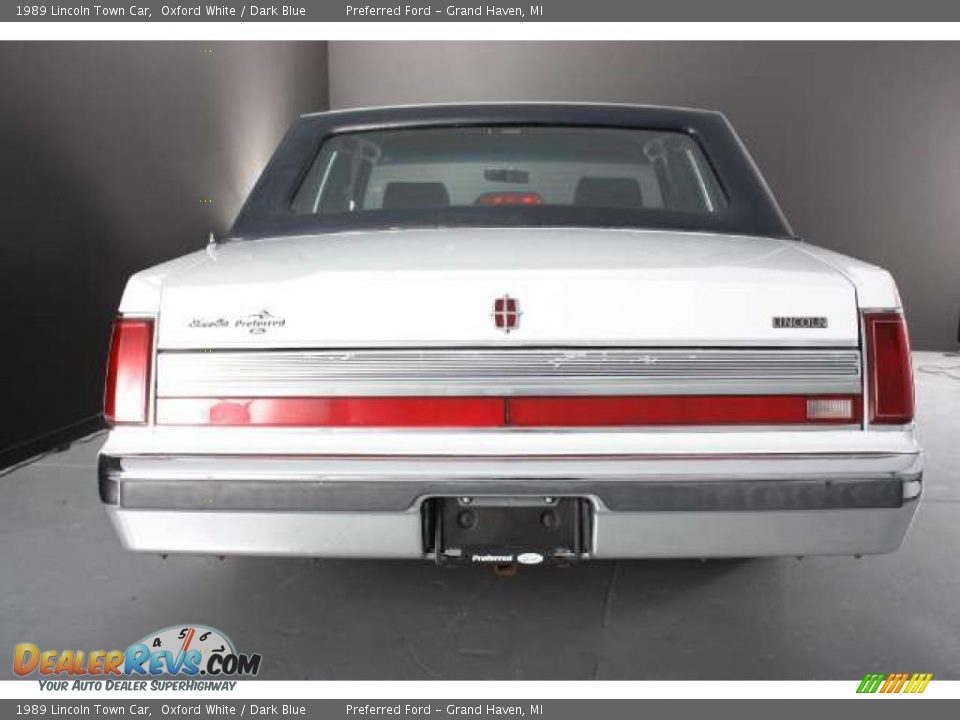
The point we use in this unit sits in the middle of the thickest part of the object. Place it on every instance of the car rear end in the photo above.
(522, 383)
(823, 461)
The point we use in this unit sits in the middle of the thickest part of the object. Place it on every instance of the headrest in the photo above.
(408, 195)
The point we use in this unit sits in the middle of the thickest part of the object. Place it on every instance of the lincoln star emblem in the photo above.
(506, 313)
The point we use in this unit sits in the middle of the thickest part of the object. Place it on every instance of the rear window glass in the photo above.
(491, 166)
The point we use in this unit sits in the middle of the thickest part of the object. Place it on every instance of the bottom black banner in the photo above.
(594, 709)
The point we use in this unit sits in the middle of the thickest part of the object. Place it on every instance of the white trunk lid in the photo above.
(411, 288)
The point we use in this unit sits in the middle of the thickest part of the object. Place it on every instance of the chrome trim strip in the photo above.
(180, 345)
(581, 371)
(440, 458)
(400, 476)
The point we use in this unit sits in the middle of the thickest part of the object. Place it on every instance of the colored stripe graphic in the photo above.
(892, 683)
(918, 683)
(871, 682)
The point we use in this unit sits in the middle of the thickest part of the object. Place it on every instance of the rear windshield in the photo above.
(516, 166)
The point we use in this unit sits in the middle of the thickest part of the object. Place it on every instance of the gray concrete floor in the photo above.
(65, 582)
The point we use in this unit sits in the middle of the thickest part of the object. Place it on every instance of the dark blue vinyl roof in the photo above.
(751, 208)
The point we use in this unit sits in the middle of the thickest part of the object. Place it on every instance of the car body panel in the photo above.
(437, 287)
(402, 304)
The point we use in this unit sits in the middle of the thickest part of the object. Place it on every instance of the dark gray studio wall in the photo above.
(116, 156)
(860, 141)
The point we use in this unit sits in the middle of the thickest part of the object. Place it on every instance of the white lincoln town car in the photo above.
(515, 333)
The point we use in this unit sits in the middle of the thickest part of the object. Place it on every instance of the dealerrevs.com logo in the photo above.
(185, 651)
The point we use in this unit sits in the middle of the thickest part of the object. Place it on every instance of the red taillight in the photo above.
(510, 198)
(891, 376)
(609, 411)
(333, 411)
(681, 410)
(128, 371)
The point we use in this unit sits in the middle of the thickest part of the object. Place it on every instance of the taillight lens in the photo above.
(128, 371)
(891, 375)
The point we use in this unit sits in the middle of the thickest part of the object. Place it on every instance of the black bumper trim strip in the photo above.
(397, 496)
(107, 486)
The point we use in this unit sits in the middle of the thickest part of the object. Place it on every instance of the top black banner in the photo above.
(490, 11)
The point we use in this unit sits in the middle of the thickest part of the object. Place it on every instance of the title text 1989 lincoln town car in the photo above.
(511, 334)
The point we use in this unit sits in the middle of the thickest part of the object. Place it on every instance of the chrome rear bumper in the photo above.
(642, 507)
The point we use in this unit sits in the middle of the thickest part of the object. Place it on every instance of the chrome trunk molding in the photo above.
(581, 371)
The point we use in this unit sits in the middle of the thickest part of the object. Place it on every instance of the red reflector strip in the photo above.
(128, 371)
(670, 410)
(334, 412)
(523, 411)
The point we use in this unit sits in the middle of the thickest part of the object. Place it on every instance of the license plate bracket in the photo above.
(524, 530)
